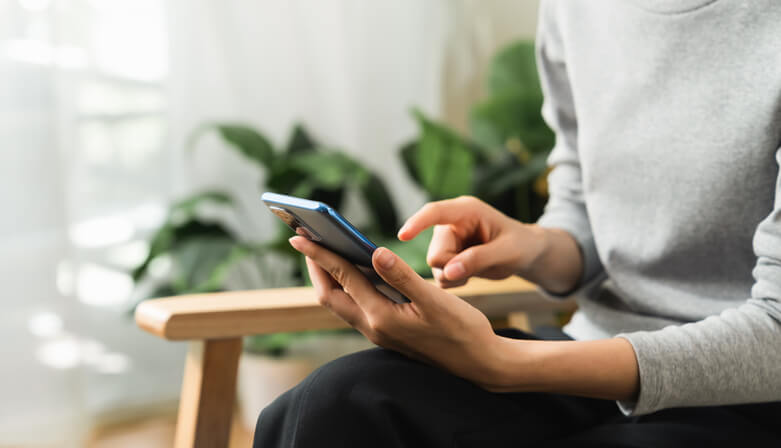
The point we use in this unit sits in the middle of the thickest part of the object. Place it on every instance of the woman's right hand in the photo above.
(471, 238)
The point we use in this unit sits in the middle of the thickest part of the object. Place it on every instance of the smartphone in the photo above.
(322, 224)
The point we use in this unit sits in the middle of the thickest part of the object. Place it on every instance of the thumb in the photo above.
(400, 275)
(472, 261)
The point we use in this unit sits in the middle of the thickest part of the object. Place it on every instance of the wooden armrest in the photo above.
(241, 313)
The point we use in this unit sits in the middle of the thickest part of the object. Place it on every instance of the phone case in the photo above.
(321, 223)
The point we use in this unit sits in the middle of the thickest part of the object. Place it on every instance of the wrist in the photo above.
(533, 244)
(556, 262)
(513, 365)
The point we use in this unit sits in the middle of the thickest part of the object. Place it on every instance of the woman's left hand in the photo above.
(436, 327)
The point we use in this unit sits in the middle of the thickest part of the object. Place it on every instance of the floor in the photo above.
(155, 432)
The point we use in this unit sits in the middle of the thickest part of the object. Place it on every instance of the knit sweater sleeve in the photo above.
(733, 357)
(566, 207)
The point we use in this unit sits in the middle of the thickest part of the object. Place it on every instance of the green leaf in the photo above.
(514, 68)
(380, 203)
(157, 292)
(248, 142)
(507, 184)
(300, 141)
(409, 158)
(334, 198)
(275, 344)
(278, 344)
(511, 115)
(220, 271)
(305, 279)
(444, 160)
(178, 226)
(280, 245)
(186, 209)
(283, 177)
(197, 260)
(515, 177)
(164, 290)
(324, 176)
(512, 109)
(189, 203)
(291, 176)
(171, 235)
(327, 169)
(412, 252)
(160, 243)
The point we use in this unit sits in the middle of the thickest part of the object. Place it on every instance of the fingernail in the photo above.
(455, 270)
(293, 240)
(401, 230)
(385, 258)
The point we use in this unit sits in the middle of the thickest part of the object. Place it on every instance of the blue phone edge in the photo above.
(292, 201)
(282, 199)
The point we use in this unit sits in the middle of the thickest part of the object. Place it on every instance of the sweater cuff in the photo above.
(648, 399)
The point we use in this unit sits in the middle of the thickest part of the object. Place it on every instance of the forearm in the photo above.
(604, 369)
(558, 264)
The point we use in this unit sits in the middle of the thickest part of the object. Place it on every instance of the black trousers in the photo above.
(378, 398)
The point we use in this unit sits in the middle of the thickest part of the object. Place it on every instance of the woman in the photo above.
(664, 221)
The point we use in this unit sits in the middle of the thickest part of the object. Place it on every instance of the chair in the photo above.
(215, 324)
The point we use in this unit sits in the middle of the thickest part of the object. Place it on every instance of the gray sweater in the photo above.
(666, 166)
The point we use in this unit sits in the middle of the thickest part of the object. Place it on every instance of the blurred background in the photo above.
(137, 135)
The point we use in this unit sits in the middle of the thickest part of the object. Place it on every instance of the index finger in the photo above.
(448, 211)
(334, 298)
(354, 283)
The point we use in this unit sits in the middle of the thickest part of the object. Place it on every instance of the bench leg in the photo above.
(208, 393)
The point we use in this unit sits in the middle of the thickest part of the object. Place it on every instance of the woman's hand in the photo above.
(436, 327)
(471, 238)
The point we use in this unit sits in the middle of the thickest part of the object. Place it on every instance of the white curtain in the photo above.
(83, 176)
(97, 98)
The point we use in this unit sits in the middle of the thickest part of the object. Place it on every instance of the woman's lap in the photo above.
(380, 398)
